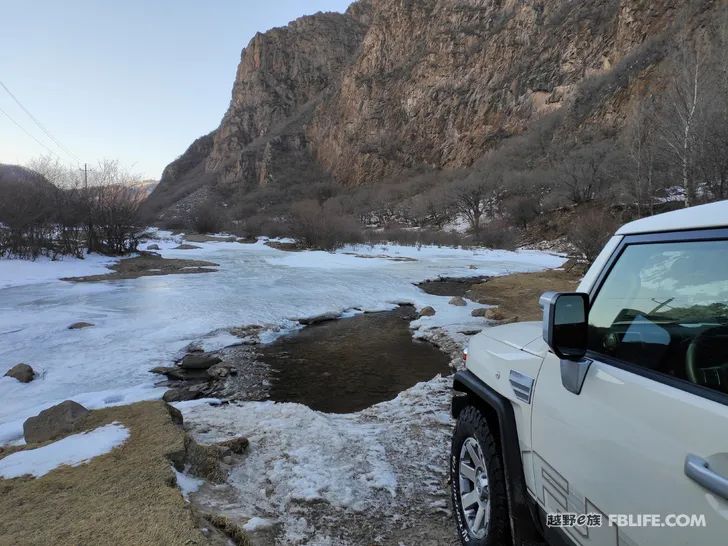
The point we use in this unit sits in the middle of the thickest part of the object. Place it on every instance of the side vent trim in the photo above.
(522, 386)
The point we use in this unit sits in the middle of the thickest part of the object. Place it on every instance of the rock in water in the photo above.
(494, 314)
(56, 421)
(457, 300)
(153, 247)
(80, 325)
(427, 311)
(479, 312)
(21, 372)
(180, 395)
(199, 361)
(186, 246)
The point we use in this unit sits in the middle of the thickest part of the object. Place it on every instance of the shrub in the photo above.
(498, 234)
(590, 232)
(325, 226)
(207, 217)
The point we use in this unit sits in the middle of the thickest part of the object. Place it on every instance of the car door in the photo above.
(645, 441)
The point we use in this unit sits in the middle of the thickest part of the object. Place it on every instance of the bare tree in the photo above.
(678, 127)
(584, 172)
(477, 195)
(641, 152)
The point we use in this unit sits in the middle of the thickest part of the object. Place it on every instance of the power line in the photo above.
(39, 124)
(29, 134)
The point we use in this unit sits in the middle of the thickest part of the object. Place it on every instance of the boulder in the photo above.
(194, 348)
(186, 246)
(180, 395)
(494, 314)
(53, 422)
(457, 300)
(199, 361)
(236, 445)
(479, 312)
(427, 311)
(153, 247)
(220, 370)
(21, 372)
(80, 325)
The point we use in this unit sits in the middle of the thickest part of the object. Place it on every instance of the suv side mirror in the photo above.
(565, 320)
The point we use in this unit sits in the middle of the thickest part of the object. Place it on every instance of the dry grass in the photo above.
(517, 295)
(127, 496)
(149, 265)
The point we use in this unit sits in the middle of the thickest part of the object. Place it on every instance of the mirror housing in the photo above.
(565, 323)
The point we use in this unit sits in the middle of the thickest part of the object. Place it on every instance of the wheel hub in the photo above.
(474, 488)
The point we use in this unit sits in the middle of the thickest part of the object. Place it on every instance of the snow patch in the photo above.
(16, 272)
(187, 484)
(72, 450)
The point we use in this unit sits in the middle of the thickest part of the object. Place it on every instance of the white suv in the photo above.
(608, 423)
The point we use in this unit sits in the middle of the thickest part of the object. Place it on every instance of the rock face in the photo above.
(56, 421)
(22, 372)
(393, 85)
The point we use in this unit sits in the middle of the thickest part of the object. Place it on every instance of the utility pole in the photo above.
(90, 239)
(85, 176)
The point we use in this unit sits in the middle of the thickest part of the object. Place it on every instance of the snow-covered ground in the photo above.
(20, 272)
(146, 322)
(375, 476)
(72, 450)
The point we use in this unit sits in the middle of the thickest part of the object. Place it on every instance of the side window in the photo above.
(664, 306)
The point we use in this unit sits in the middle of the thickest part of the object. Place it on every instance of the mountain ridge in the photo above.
(392, 88)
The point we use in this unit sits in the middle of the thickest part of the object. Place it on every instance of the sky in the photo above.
(132, 80)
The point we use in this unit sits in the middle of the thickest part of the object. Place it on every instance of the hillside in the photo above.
(16, 174)
(392, 91)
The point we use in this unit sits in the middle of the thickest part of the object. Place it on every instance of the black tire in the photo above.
(472, 424)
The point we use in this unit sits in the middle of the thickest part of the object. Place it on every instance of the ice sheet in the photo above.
(146, 322)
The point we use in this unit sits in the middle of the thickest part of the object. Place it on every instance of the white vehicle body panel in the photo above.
(712, 215)
(619, 448)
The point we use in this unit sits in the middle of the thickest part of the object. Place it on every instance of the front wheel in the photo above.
(477, 482)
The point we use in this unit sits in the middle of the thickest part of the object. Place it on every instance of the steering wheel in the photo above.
(706, 360)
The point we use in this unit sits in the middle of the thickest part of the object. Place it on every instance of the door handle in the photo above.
(698, 470)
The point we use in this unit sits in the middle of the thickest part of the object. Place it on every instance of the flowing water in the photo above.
(350, 364)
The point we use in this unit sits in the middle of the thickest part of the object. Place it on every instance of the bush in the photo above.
(325, 227)
(208, 218)
(39, 218)
(498, 234)
(590, 232)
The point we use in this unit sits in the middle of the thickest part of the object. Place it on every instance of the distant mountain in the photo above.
(146, 187)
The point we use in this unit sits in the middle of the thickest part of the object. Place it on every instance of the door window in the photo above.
(664, 306)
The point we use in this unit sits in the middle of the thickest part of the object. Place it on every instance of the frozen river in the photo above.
(145, 322)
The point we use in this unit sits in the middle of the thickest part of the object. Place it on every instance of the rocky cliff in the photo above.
(395, 85)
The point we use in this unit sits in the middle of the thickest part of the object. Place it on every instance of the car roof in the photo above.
(712, 215)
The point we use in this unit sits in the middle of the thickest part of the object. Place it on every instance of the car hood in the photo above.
(526, 336)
